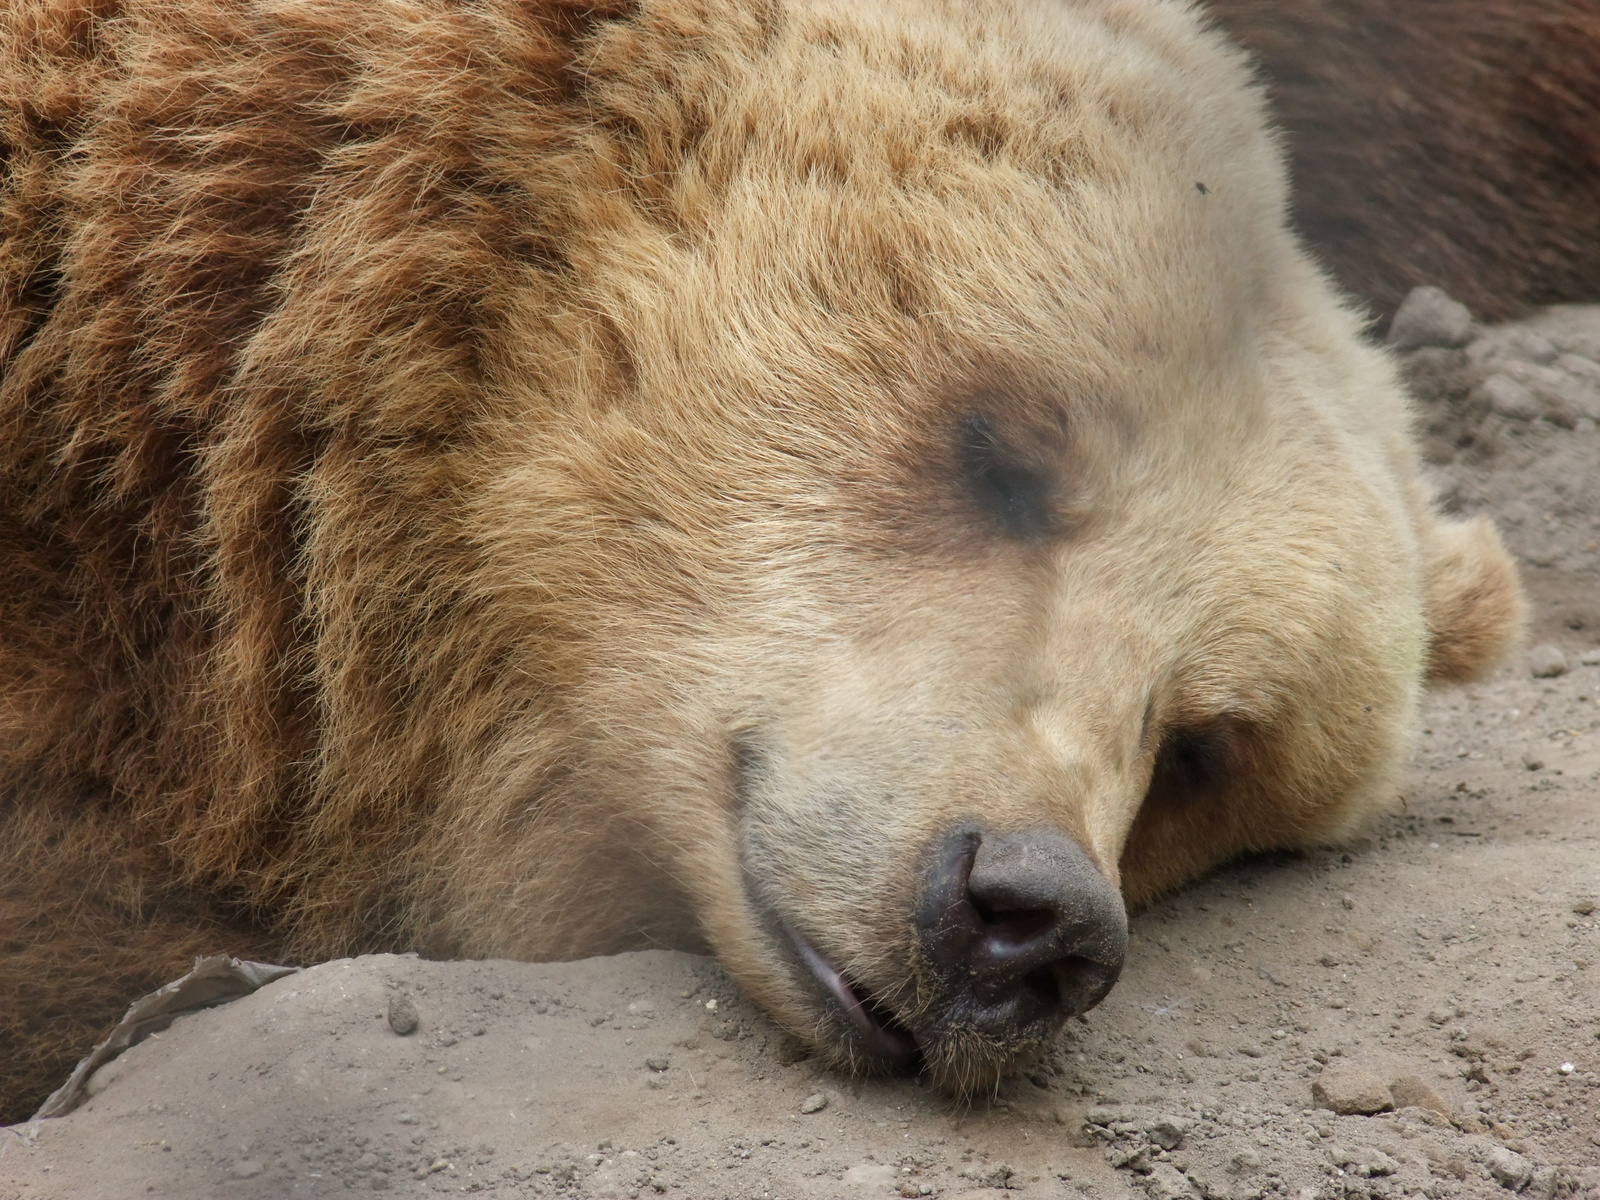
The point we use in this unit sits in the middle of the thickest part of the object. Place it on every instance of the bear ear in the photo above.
(1473, 603)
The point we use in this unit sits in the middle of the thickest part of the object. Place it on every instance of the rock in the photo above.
(1584, 905)
(1543, 1184)
(1559, 397)
(1250, 1050)
(1509, 398)
(1167, 1131)
(1348, 1090)
(402, 1014)
(1166, 1182)
(1440, 1015)
(1532, 762)
(1511, 344)
(246, 1168)
(1429, 317)
(815, 1102)
(1546, 661)
(1412, 1091)
(658, 1062)
(1364, 1161)
(1580, 367)
(1509, 1168)
(1590, 658)
(1244, 1162)
(1134, 1158)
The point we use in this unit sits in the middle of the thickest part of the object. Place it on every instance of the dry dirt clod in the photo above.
(1412, 1091)
(1584, 905)
(815, 1102)
(1167, 1131)
(1364, 1161)
(1546, 661)
(402, 1014)
(1350, 1090)
(1532, 762)
(1509, 1168)
(1244, 1162)
(1166, 1182)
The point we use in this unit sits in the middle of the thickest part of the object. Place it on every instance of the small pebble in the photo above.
(815, 1102)
(402, 1014)
(1533, 762)
(1567, 1068)
(1590, 658)
(1584, 905)
(247, 1168)
(1429, 317)
(1347, 900)
(658, 1062)
(1546, 661)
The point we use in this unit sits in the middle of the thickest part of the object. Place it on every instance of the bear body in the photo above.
(781, 479)
(1436, 142)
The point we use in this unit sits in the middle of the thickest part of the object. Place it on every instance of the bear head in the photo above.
(973, 513)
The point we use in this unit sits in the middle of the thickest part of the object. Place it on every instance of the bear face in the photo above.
(1069, 521)
(864, 490)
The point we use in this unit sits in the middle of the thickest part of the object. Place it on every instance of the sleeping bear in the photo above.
(866, 491)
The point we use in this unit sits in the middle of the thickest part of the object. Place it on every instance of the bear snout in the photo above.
(1021, 929)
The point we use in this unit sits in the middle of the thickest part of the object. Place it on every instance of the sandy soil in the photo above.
(1448, 968)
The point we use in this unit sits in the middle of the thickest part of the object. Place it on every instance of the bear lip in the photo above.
(892, 1045)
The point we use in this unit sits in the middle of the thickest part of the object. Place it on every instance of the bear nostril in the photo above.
(1046, 989)
(1010, 929)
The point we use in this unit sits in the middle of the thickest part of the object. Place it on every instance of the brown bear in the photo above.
(862, 490)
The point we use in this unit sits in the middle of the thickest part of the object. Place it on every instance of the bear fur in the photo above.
(1440, 142)
(539, 479)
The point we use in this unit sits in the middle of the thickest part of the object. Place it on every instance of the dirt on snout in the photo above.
(1416, 1016)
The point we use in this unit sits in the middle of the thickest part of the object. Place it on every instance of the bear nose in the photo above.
(1021, 926)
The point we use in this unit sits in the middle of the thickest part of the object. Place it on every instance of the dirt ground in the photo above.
(1447, 968)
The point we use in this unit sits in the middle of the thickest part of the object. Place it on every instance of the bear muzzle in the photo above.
(1020, 929)
(1013, 933)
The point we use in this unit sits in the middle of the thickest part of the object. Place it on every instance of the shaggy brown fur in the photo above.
(539, 478)
(199, 202)
(1451, 142)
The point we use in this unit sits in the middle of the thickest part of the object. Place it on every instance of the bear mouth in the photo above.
(877, 1030)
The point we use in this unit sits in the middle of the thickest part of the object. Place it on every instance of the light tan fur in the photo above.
(500, 480)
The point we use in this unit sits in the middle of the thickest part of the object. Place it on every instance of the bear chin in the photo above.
(868, 490)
